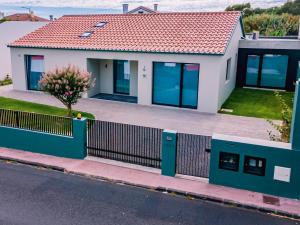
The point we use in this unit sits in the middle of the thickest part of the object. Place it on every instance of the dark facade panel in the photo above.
(292, 67)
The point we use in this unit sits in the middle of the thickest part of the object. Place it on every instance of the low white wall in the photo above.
(208, 96)
(9, 32)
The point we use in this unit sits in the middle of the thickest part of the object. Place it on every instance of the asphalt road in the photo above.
(35, 196)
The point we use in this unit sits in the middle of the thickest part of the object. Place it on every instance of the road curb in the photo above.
(189, 195)
(35, 164)
(193, 196)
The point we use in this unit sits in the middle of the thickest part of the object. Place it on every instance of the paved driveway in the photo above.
(182, 120)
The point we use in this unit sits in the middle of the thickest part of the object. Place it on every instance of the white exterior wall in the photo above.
(9, 32)
(226, 87)
(208, 95)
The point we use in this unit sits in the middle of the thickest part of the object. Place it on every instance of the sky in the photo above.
(60, 7)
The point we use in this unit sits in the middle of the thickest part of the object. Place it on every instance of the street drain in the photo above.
(271, 200)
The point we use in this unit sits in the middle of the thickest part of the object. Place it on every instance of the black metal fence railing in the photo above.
(124, 142)
(193, 155)
(36, 122)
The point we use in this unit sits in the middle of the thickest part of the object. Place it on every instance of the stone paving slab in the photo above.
(181, 120)
(155, 181)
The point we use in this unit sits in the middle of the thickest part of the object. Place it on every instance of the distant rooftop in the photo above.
(25, 17)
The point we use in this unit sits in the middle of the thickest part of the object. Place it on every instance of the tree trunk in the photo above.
(70, 111)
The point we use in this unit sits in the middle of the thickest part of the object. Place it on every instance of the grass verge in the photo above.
(14, 104)
(256, 103)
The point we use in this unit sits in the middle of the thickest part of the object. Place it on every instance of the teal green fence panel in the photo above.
(256, 165)
(46, 143)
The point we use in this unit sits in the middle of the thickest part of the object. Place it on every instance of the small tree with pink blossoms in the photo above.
(67, 84)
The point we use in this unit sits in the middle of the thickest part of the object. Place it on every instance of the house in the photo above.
(140, 9)
(185, 60)
(9, 32)
(25, 17)
(272, 63)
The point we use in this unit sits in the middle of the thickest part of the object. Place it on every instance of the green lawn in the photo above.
(13, 104)
(256, 103)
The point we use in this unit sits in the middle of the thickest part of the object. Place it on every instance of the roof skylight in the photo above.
(86, 34)
(101, 24)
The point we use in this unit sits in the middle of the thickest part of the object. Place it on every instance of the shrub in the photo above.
(67, 84)
(7, 81)
(285, 127)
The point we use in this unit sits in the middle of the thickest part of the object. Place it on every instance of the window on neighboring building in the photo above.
(228, 69)
(34, 70)
(254, 165)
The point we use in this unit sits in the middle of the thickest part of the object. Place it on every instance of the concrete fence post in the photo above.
(295, 129)
(169, 150)
(80, 137)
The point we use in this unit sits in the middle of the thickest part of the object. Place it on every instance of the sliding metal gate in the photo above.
(193, 155)
(124, 142)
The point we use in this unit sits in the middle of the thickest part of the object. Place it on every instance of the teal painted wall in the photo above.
(274, 156)
(169, 144)
(295, 129)
(50, 144)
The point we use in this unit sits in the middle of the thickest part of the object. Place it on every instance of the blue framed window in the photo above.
(268, 71)
(34, 70)
(175, 84)
(274, 70)
(252, 70)
(121, 77)
(298, 71)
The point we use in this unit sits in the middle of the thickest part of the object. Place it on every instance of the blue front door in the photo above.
(121, 77)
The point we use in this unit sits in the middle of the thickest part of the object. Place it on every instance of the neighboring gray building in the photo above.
(9, 32)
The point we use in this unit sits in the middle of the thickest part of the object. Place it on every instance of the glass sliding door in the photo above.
(274, 69)
(298, 71)
(122, 77)
(166, 83)
(175, 84)
(190, 85)
(34, 70)
(252, 70)
(267, 71)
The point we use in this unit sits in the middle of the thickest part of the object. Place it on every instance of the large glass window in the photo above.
(175, 84)
(298, 71)
(268, 71)
(122, 77)
(252, 70)
(274, 70)
(166, 83)
(34, 69)
(190, 85)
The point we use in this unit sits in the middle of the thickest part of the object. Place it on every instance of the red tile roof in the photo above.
(195, 33)
(25, 17)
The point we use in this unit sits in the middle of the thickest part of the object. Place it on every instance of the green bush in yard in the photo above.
(67, 84)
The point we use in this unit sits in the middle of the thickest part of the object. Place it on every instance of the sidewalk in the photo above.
(153, 180)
